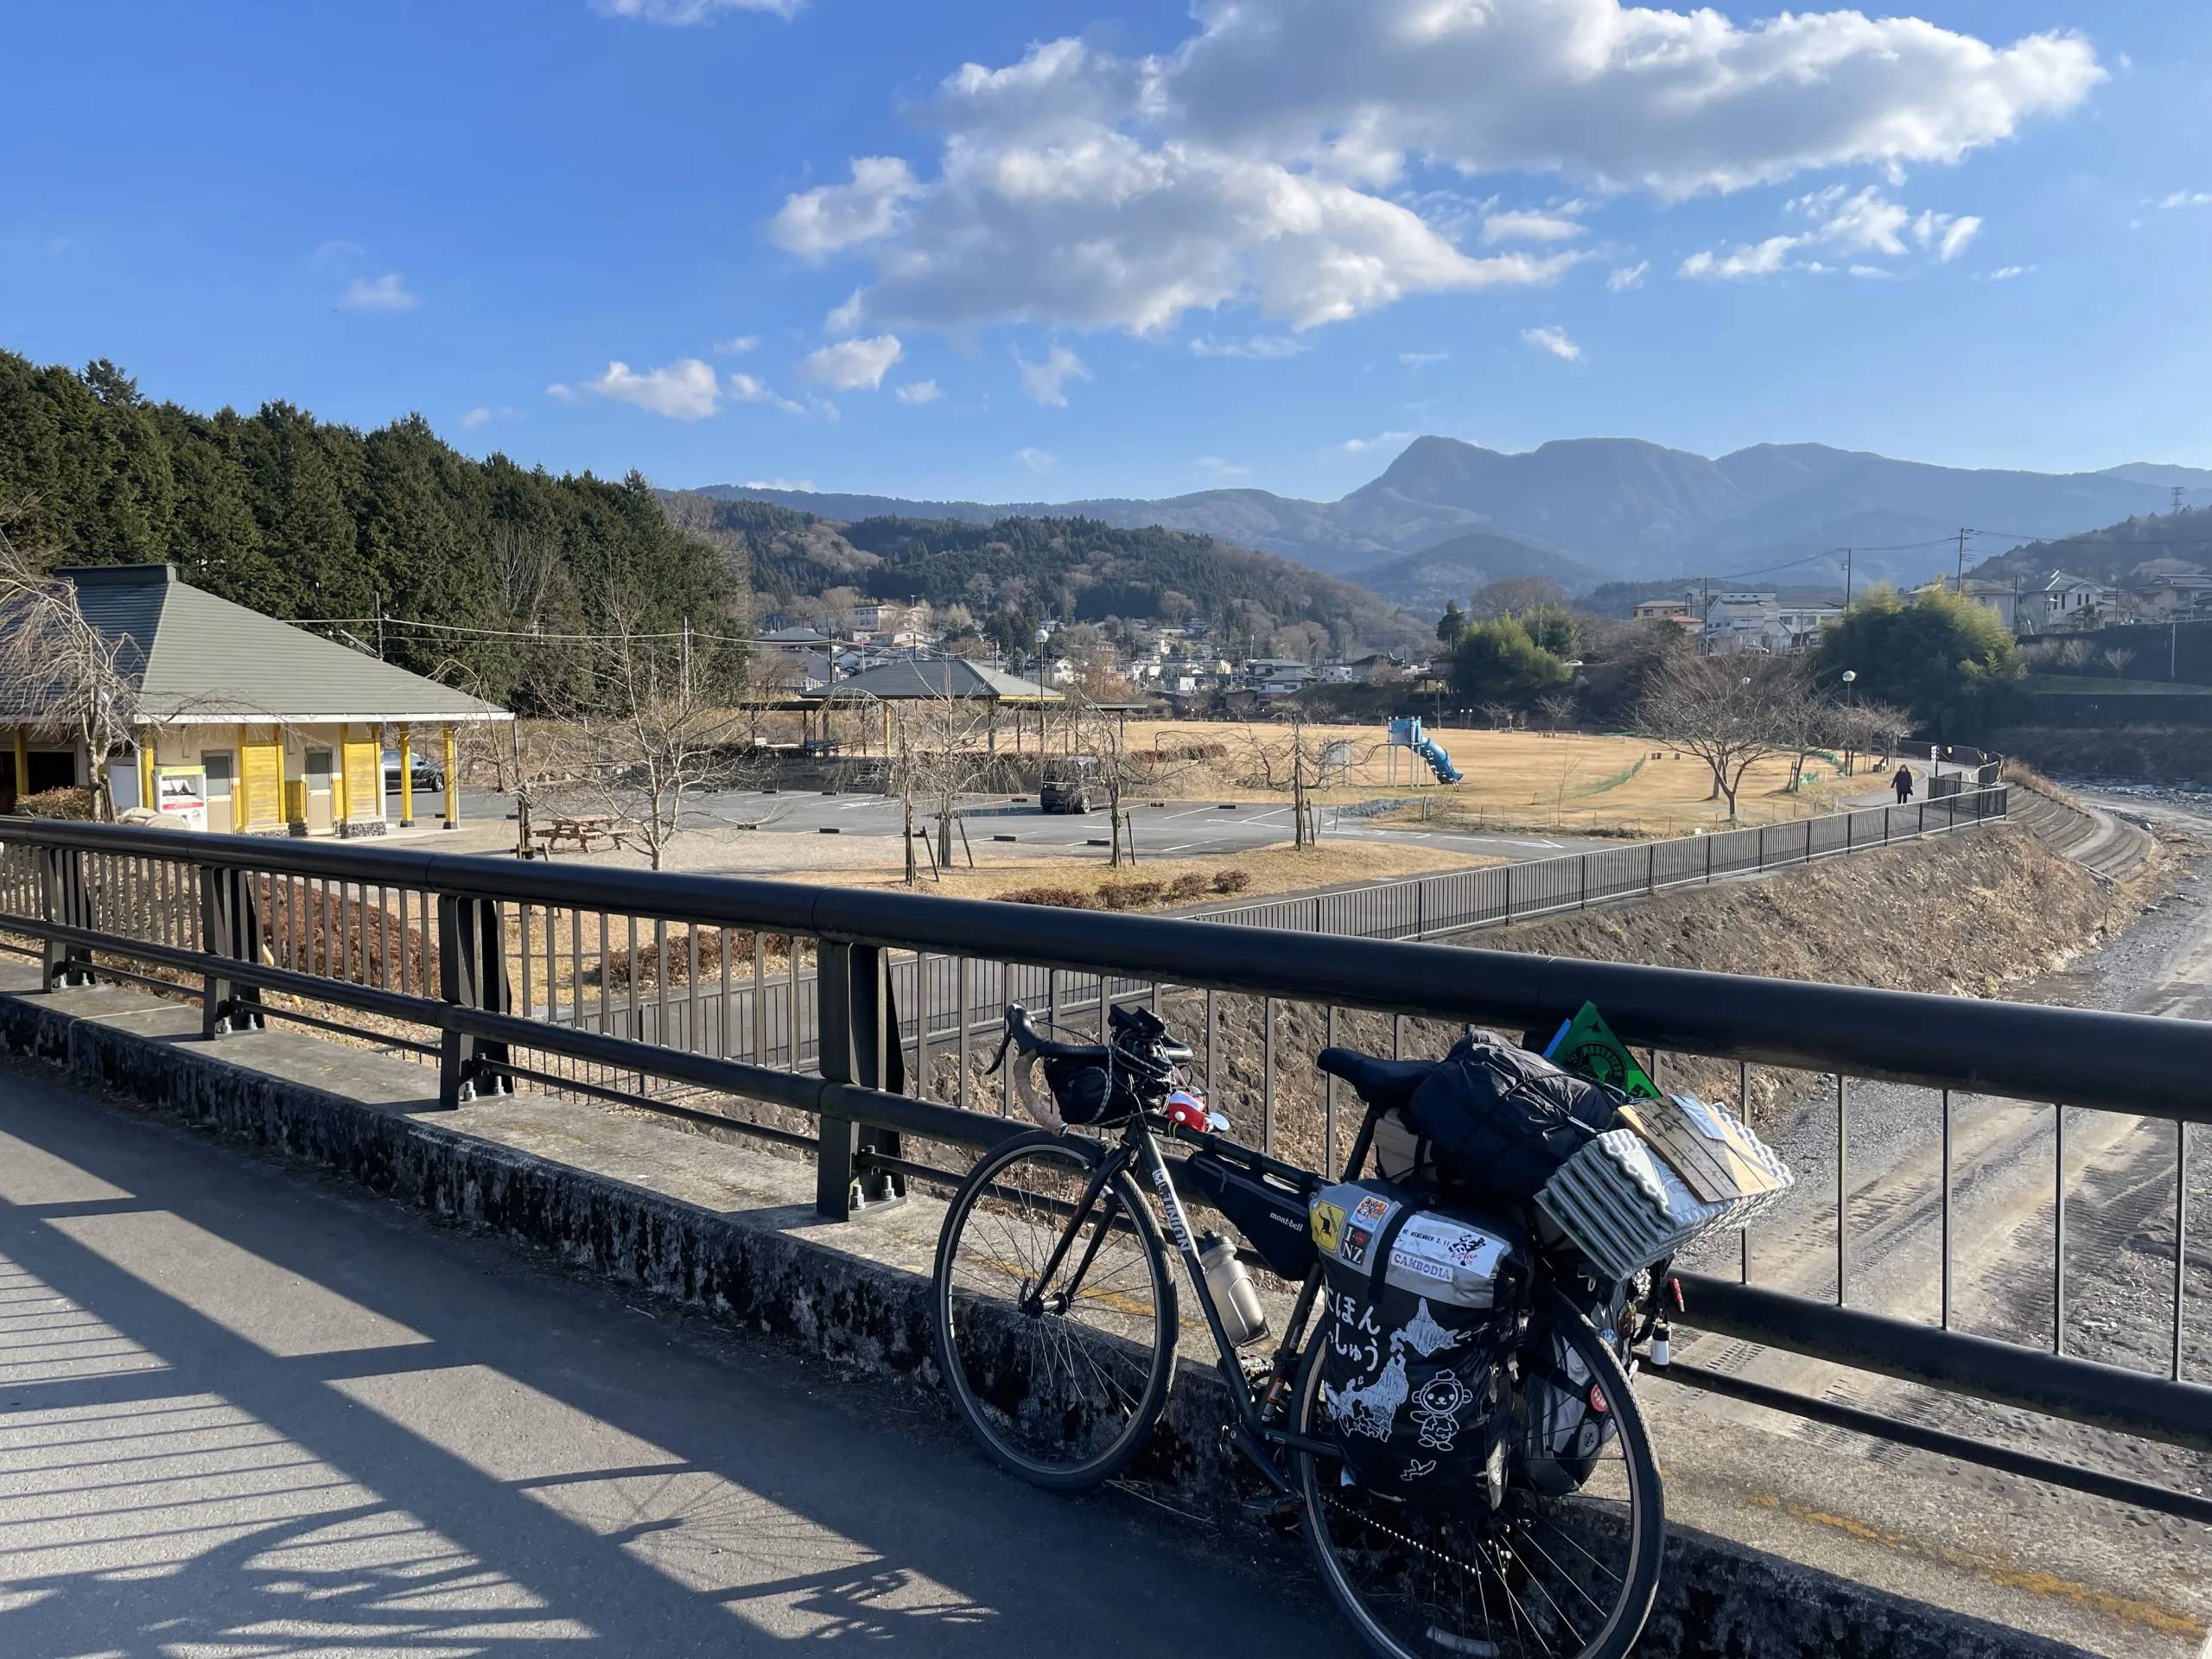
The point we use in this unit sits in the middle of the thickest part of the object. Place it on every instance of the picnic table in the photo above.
(580, 832)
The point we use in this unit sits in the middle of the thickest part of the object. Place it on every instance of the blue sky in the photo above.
(1136, 250)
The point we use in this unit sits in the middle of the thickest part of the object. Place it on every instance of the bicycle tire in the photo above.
(1061, 1398)
(1412, 1623)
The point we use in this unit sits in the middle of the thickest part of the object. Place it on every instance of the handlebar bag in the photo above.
(1503, 1120)
(1418, 1320)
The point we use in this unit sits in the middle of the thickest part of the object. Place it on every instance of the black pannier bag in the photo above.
(1564, 1427)
(1500, 1119)
(1270, 1214)
(1418, 1323)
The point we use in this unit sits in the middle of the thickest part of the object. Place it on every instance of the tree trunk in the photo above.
(906, 805)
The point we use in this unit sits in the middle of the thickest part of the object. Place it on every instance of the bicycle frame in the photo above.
(1255, 1431)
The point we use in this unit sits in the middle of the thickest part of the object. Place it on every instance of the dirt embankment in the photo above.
(1977, 914)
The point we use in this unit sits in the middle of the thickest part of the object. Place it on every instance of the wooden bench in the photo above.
(578, 832)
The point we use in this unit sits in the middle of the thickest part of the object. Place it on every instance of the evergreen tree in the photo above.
(1952, 661)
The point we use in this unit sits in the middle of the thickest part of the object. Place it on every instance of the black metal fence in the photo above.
(1430, 906)
(857, 1018)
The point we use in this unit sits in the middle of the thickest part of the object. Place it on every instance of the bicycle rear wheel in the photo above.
(1537, 1577)
(1061, 1381)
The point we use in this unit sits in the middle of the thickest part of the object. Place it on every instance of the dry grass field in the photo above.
(1570, 781)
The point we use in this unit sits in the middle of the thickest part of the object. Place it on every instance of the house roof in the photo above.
(938, 677)
(193, 656)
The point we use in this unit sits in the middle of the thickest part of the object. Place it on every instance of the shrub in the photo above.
(1187, 887)
(1130, 895)
(67, 802)
(1063, 898)
(1232, 881)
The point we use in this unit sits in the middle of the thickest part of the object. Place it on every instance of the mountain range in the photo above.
(1447, 516)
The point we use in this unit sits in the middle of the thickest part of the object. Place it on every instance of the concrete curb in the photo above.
(1718, 1599)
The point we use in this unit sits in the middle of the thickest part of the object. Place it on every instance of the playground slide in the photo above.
(1440, 761)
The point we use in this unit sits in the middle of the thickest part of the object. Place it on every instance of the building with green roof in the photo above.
(273, 728)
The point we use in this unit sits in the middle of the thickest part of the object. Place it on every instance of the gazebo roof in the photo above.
(195, 657)
(935, 677)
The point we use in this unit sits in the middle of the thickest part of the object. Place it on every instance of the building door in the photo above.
(319, 818)
(222, 819)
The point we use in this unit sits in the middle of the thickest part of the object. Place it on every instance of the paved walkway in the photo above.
(243, 1413)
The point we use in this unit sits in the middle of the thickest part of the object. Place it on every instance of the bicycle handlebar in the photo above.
(1021, 1031)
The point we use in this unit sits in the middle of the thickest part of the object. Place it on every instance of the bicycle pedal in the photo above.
(1278, 1511)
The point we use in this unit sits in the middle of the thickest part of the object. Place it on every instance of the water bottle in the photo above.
(1234, 1296)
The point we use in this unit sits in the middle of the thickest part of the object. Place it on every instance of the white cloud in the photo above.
(1628, 276)
(476, 416)
(832, 217)
(919, 391)
(1361, 446)
(1421, 360)
(1760, 259)
(1221, 469)
(2006, 273)
(1254, 346)
(1529, 226)
(2187, 199)
(685, 13)
(853, 364)
(685, 390)
(1044, 381)
(1862, 222)
(805, 484)
(1036, 460)
(388, 292)
(737, 345)
(748, 389)
(1555, 340)
(1271, 158)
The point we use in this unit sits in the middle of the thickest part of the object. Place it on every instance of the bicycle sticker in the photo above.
(1371, 1209)
(1354, 1247)
(1173, 1206)
(1327, 1222)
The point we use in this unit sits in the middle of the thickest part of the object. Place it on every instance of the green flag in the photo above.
(1586, 1044)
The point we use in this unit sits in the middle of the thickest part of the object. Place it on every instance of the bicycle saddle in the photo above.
(1378, 1082)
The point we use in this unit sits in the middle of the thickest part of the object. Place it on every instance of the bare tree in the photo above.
(1725, 711)
(57, 671)
(940, 749)
(657, 738)
(1121, 772)
(1514, 596)
(2117, 658)
(1290, 757)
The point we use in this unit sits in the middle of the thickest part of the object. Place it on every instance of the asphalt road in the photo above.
(243, 1412)
(1171, 828)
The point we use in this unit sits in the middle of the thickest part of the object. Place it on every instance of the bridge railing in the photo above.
(1459, 901)
(851, 1027)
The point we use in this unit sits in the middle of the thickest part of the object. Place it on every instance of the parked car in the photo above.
(1069, 783)
(429, 779)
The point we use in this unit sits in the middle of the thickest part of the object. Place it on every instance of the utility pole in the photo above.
(687, 662)
(1846, 578)
(1963, 534)
(2177, 498)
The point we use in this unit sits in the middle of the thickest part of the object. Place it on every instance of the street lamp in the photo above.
(1849, 676)
(1850, 757)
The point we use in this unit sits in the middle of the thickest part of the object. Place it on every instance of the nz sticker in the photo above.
(1354, 1247)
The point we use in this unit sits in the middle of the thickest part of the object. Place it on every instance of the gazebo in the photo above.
(934, 679)
(240, 722)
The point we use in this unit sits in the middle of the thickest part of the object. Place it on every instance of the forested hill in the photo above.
(304, 518)
(2125, 553)
(1012, 573)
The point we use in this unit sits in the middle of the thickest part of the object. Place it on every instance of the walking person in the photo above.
(1902, 782)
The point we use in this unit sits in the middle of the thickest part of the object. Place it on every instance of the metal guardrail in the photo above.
(1431, 906)
(824, 1001)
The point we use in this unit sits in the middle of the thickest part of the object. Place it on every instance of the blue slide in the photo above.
(1439, 762)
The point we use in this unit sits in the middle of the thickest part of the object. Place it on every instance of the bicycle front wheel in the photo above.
(1536, 1577)
(1061, 1375)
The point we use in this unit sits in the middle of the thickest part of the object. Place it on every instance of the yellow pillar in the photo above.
(146, 768)
(22, 761)
(338, 813)
(453, 783)
(406, 778)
